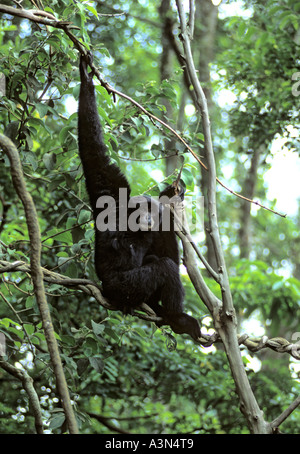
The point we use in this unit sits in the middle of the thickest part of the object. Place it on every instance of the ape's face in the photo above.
(144, 213)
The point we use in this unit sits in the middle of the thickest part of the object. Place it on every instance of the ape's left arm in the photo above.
(102, 176)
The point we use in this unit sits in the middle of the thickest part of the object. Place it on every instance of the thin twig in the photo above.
(284, 415)
(20, 320)
(183, 228)
(50, 20)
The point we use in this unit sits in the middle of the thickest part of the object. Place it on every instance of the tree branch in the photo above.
(276, 423)
(105, 421)
(50, 20)
(37, 276)
(27, 384)
(224, 319)
(89, 287)
(5, 208)
(92, 289)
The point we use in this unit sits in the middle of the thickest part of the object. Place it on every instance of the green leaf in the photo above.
(72, 270)
(289, 19)
(49, 160)
(64, 133)
(262, 40)
(76, 91)
(97, 364)
(275, 10)
(64, 237)
(104, 115)
(6, 321)
(11, 130)
(98, 328)
(42, 109)
(57, 420)
(241, 29)
(82, 364)
(40, 336)
(104, 93)
(187, 177)
(92, 10)
(110, 332)
(17, 332)
(278, 285)
(29, 329)
(84, 216)
(31, 159)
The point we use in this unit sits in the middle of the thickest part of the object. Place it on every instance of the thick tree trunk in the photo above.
(206, 18)
(245, 212)
(166, 71)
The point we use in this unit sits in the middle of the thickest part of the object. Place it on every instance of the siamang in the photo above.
(138, 265)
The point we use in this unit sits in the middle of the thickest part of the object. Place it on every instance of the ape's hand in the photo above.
(85, 61)
(173, 190)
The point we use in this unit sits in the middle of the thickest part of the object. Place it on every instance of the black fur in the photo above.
(134, 267)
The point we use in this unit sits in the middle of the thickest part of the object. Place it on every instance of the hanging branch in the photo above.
(37, 276)
(45, 18)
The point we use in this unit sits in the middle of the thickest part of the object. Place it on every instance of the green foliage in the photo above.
(256, 287)
(260, 67)
(119, 369)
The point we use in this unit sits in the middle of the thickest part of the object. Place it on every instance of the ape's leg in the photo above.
(180, 322)
(158, 280)
(131, 288)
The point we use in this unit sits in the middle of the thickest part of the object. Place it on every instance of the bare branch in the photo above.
(35, 16)
(5, 208)
(184, 229)
(27, 384)
(276, 423)
(92, 289)
(89, 287)
(191, 18)
(37, 276)
(224, 319)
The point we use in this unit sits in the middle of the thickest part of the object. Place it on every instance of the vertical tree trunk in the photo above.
(206, 18)
(166, 70)
(245, 212)
(224, 319)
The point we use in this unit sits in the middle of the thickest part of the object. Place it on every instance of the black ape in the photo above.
(134, 266)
